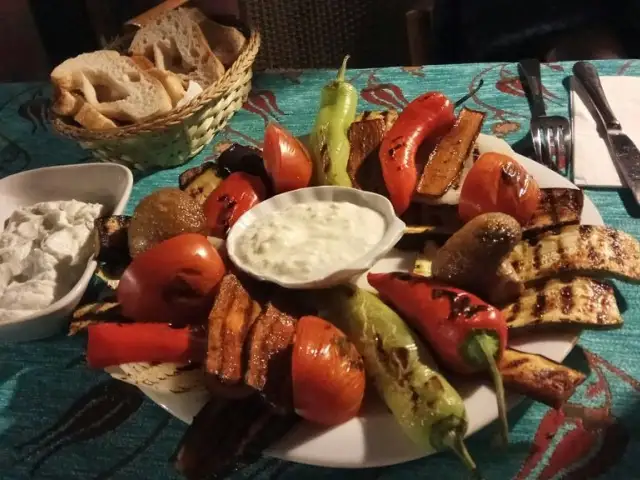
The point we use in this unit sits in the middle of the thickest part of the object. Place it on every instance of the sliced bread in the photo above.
(73, 105)
(176, 43)
(225, 42)
(114, 85)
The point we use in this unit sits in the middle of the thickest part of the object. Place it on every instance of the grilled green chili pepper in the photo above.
(426, 406)
(329, 143)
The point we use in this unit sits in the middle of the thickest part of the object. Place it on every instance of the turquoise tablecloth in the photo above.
(59, 420)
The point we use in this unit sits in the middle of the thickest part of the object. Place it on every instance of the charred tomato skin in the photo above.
(236, 195)
(498, 183)
(328, 373)
(172, 282)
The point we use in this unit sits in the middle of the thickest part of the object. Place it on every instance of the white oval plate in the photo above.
(374, 439)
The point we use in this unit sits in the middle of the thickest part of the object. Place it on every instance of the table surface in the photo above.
(60, 420)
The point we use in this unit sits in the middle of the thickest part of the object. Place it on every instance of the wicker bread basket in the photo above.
(173, 138)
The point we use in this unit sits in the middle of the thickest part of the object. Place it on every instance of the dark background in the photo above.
(35, 35)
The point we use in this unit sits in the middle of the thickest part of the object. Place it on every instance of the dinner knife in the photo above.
(624, 152)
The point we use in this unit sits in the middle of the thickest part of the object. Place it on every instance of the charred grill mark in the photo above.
(566, 299)
(614, 238)
(366, 114)
(537, 256)
(460, 304)
(434, 385)
(539, 307)
(408, 277)
(402, 357)
(396, 144)
(517, 266)
(585, 232)
(562, 254)
(228, 207)
(348, 351)
(475, 153)
(515, 310)
(553, 208)
(513, 364)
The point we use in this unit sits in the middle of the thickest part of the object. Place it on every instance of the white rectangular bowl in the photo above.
(106, 183)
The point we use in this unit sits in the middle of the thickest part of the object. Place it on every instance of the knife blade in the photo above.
(624, 152)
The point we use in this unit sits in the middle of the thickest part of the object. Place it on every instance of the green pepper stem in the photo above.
(454, 441)
(343, 69)
(487, 344)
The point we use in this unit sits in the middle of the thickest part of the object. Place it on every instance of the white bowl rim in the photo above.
(85, 278)
(393, 232)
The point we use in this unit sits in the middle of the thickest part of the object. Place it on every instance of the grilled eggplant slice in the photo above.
(199, 182)
(446, 161)
(365, 136)
(558, 207)
(559, 303)
(538, 377)
(111, 239)
(579, 250)
(92, 313)
(269, 354)
(230, 320)
(227, 434)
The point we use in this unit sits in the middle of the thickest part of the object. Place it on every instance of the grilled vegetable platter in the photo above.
(501, 265)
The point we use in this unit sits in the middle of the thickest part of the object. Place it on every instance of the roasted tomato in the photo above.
(172, 282)
(497, 183)
(236, 194)
(328, 373)
(285, 159)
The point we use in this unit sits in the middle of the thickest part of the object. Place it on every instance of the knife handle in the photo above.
(530, 70)
(588, 75)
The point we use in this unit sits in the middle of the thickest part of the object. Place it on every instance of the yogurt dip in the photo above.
(302, 241)
(44, 250)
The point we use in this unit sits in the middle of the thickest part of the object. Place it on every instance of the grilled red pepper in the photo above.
(117, 343)
(467, 334)
(236, 194)
(426, 118)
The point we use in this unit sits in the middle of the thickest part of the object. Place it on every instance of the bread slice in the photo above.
(170, 81)
(92, 119)
(114, 85)
(65, 103)
(225, 42)
(73, 105)
(175, 43)
(142, 62)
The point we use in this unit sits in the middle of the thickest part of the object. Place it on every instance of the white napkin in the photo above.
(193, 89)
(592, 161)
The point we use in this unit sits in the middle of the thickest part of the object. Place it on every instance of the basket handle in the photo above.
(145, 17)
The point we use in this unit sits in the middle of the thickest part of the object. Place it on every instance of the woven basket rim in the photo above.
(243, 63)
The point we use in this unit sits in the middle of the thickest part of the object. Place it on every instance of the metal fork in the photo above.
(551, 134)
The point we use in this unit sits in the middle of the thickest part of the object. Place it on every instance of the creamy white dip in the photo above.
(302, 241)
(44, 249)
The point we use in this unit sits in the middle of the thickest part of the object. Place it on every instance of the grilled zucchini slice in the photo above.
(558, 303)
(558, 207)
(97, 312)
(199, 182)
(579, 250)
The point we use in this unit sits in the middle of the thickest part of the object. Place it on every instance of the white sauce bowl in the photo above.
(108, 184)
(340, 274)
